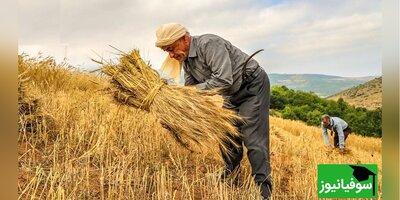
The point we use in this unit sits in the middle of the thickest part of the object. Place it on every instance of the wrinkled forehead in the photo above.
(169, 47)
(165, 48)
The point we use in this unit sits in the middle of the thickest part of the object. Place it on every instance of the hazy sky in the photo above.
(338, 37)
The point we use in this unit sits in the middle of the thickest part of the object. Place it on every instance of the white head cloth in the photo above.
(167, 34)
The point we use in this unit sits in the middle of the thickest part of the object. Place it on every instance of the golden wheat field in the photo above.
(76, 142)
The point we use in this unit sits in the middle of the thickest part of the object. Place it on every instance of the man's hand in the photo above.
(341, 151)
(330, 148)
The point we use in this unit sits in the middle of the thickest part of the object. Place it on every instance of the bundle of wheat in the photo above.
(191, 115)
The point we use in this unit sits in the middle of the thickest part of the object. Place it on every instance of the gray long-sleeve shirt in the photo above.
(337, 125)
(214, 62)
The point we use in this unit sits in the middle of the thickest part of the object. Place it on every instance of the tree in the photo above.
(314, 118)
(278, 100)
(288, 113)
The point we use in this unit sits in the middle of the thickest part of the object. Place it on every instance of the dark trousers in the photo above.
(252, 103)
(346, 133)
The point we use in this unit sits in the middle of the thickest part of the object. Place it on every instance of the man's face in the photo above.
(178, 50)
(326, 121)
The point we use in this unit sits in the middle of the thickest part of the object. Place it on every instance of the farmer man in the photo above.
(210, 61)
(339, 127)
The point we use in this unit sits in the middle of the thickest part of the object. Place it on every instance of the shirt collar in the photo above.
(331, 124)
(193, 47)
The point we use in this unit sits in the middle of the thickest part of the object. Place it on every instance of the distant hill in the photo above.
(368, 95)
(322, 85)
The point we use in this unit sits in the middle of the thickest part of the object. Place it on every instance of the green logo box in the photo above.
(347, 181)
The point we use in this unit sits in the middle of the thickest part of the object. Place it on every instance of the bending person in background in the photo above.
(337, 126)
